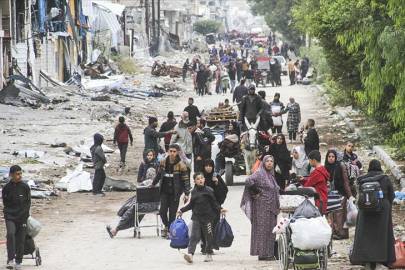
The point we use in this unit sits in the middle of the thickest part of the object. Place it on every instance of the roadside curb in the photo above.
(381, 154)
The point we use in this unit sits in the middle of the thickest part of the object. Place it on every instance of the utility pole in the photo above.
(158, 25)
(147, 21)
(153, 29)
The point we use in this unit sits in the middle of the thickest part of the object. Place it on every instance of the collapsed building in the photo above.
(43, 39)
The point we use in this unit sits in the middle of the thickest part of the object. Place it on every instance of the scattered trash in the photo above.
(76, 180)
(29, 153)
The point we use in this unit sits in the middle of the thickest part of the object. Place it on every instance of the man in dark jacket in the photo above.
(207, 136)
(151, 136)
(239, 92)
(201, 80)
(238, 69)
(304, 68)
(199, 149)
(173, 178)
(17, 202)
(311, 141)
(192, 110)
(186, 67)
(167, 126)
(251, 106)
(121, 134)
(99, 160)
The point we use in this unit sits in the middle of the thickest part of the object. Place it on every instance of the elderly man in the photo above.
(183, 136)
(151, 136)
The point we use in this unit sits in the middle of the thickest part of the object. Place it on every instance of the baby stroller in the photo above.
(289, 252)
(30, 249)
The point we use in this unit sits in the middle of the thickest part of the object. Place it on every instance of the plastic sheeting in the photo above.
(77, 180)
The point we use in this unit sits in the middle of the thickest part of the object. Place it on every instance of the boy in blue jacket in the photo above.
(204, 205)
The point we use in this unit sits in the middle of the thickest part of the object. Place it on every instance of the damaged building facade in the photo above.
(42, 39)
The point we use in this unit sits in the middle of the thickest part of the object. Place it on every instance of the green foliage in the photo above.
(125, 63)
(279, 17)
(207, 27)
(318, 61)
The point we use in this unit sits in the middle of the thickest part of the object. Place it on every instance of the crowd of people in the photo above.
(228, 65)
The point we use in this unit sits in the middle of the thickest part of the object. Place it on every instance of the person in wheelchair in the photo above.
(127, 210)
(227, 148)
(317, 179)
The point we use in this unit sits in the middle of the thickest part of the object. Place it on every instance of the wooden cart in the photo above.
(224, 116)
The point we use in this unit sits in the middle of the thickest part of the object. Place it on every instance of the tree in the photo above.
(207, 27)
(279, 17)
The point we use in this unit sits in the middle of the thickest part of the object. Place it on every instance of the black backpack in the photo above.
(369, 199)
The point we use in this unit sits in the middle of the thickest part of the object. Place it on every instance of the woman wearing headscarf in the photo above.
(261, 204)
(338, 182)
(300, 163)
(282, 160)
(233, 126)
(215, 182)
(374, 240)
(293, 119)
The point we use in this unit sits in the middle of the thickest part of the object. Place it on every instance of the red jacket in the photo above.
(121, 133)
(317, 180)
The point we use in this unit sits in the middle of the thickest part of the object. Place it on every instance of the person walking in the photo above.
(199, 149)
(121, 134)
(291, 71)
(317, 179)
(204, 207)
(16, 197)
(311, 140)
(99, 160)
(208, 137)
(182, 136)
(201, 80)
(186, 67)
(238, 69)
(251, 106)
(293, 119)
(168, 125)
(338, 182)
(304, 68)
(232, 75)
(239, 92)
(374, 242)
(267, 121)
(151, 137)
(173, 180)
(282, 159)
(277, 109)
(192, 110)
(261, 204)
(277, 72)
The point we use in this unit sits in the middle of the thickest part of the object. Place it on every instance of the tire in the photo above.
(37, 261)
(323, 260)
(135, 233)
(264, 83)
(229, 173)
(139, 235)
(283, 252)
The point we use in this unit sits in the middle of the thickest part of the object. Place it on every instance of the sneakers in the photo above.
(10, 264)
(18, 266)
(208, 258)
(99, 194)
(379, 266)
(289, 141)
(188, 258)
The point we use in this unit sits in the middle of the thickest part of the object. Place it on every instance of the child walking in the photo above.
(203, 204)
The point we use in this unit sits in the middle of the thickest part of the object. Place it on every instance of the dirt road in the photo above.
(74, 235)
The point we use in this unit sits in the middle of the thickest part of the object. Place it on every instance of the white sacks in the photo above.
(280, 227)
(33, 227)
(309, 234)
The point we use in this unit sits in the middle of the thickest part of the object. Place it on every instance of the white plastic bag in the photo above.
(351, 214)
(33, 227)
(309, 234)
(280, 227)
(190, 227)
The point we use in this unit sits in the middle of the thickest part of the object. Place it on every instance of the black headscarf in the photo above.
(283, 152)
(220, 190)
(374, 166)
(335, 170)
(208, 176)
(235, 129)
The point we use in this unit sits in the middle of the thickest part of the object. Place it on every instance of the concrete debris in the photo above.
(101, 98)
(77, 180)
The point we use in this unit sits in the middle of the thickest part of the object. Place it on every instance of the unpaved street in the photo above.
(74, 235)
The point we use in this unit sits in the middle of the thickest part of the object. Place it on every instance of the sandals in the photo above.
(108, 227)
